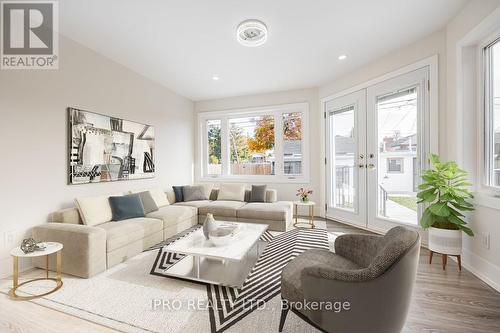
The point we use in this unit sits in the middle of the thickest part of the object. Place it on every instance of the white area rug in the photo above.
(122, 297)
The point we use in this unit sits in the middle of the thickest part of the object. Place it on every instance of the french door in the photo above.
(377, 140)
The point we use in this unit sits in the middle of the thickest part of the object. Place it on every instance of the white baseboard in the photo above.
(482, 268)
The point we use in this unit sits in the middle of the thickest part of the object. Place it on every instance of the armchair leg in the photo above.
(284, 312)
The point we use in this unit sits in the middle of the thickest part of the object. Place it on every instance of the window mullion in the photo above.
(225, 147)
(278, 144)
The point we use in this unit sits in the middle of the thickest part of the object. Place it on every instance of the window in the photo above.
(251, 145)
(395, 165)
(492, 116)
(265, 143)
(292, 143)
(214, 147)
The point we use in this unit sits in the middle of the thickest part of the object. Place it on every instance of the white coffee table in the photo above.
(50, 248)
(227, 265)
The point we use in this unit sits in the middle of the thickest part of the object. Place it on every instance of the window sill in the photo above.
(487, 199)
(257, 179)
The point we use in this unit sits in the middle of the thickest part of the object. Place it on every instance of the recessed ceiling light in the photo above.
(251, 33)
(342, 57)
(215, 78)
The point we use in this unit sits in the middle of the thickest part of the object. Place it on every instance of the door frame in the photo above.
(432, 63)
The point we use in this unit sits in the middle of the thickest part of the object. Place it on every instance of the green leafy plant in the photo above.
(446, 191)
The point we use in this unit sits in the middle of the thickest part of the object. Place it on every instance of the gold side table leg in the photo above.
(47, 266)
(296, 215)
(58, 266)
(15, 272)
(311, 216)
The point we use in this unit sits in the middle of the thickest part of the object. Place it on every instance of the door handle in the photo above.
(361, 165)
(371, 166)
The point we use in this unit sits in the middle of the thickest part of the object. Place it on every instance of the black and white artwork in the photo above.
(104, 149)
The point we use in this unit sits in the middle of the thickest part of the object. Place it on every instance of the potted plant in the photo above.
(445, 191)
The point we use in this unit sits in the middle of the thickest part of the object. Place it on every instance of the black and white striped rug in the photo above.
(263, 282)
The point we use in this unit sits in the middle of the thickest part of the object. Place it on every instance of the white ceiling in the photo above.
(182, 44)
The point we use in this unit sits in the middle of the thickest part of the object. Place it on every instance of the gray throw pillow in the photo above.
(193, 193)
(126, 207)
(147, 202)
(258, 193)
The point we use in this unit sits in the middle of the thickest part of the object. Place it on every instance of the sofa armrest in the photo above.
(358, 248)
(68, 215)
(84, 252)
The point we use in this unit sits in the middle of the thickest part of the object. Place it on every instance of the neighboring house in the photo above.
(397, 170)
(292, 157)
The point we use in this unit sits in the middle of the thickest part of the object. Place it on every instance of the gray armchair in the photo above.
(374, 274)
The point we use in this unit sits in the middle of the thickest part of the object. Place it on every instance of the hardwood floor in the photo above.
(443, 301)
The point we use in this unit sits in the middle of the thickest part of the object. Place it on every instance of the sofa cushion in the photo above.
(95, 210)
(221, 208)
(148, 202)
(278, 211)
(196, 203)
(258, 193)
(122, 233)
(231, 192)
(126, 207)
(158, 195)
(171, 215)
(194, 193)
(291, 287)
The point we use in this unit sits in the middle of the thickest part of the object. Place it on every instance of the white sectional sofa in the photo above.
(89, 250)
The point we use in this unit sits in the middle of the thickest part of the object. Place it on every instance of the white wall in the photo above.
(285, 191)
(33, 129)
(475, 22)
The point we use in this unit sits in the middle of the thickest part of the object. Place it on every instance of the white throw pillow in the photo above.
(207, 189)
(95, 210)
(234, 192)
(159, 196)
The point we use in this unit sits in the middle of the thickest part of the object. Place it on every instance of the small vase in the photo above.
(209, 225)
(304, 199)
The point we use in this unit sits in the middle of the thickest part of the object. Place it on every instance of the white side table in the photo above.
(50, 248)
(310, 205)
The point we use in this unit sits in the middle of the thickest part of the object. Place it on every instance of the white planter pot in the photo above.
(445, 241)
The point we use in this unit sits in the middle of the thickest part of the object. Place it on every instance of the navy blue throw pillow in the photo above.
(126, 207)
(178, 191)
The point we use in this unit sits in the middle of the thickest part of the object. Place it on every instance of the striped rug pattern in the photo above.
(230, 305)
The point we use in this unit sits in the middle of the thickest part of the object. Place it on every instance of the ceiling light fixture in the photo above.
(251, 33)
(215, 78)
(342, 57)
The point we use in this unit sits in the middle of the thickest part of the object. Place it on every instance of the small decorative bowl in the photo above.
(221, 236)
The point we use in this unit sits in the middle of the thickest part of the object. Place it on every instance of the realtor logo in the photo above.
(29, 35)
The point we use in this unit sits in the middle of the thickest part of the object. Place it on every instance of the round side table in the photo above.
(50, 248)
(310, 205)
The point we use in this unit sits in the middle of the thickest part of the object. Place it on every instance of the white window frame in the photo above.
(486, 112)
(277, 111)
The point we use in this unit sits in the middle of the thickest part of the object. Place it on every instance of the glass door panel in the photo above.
(396, 114)
(346, 175)
(344, 158)
(397, 120)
